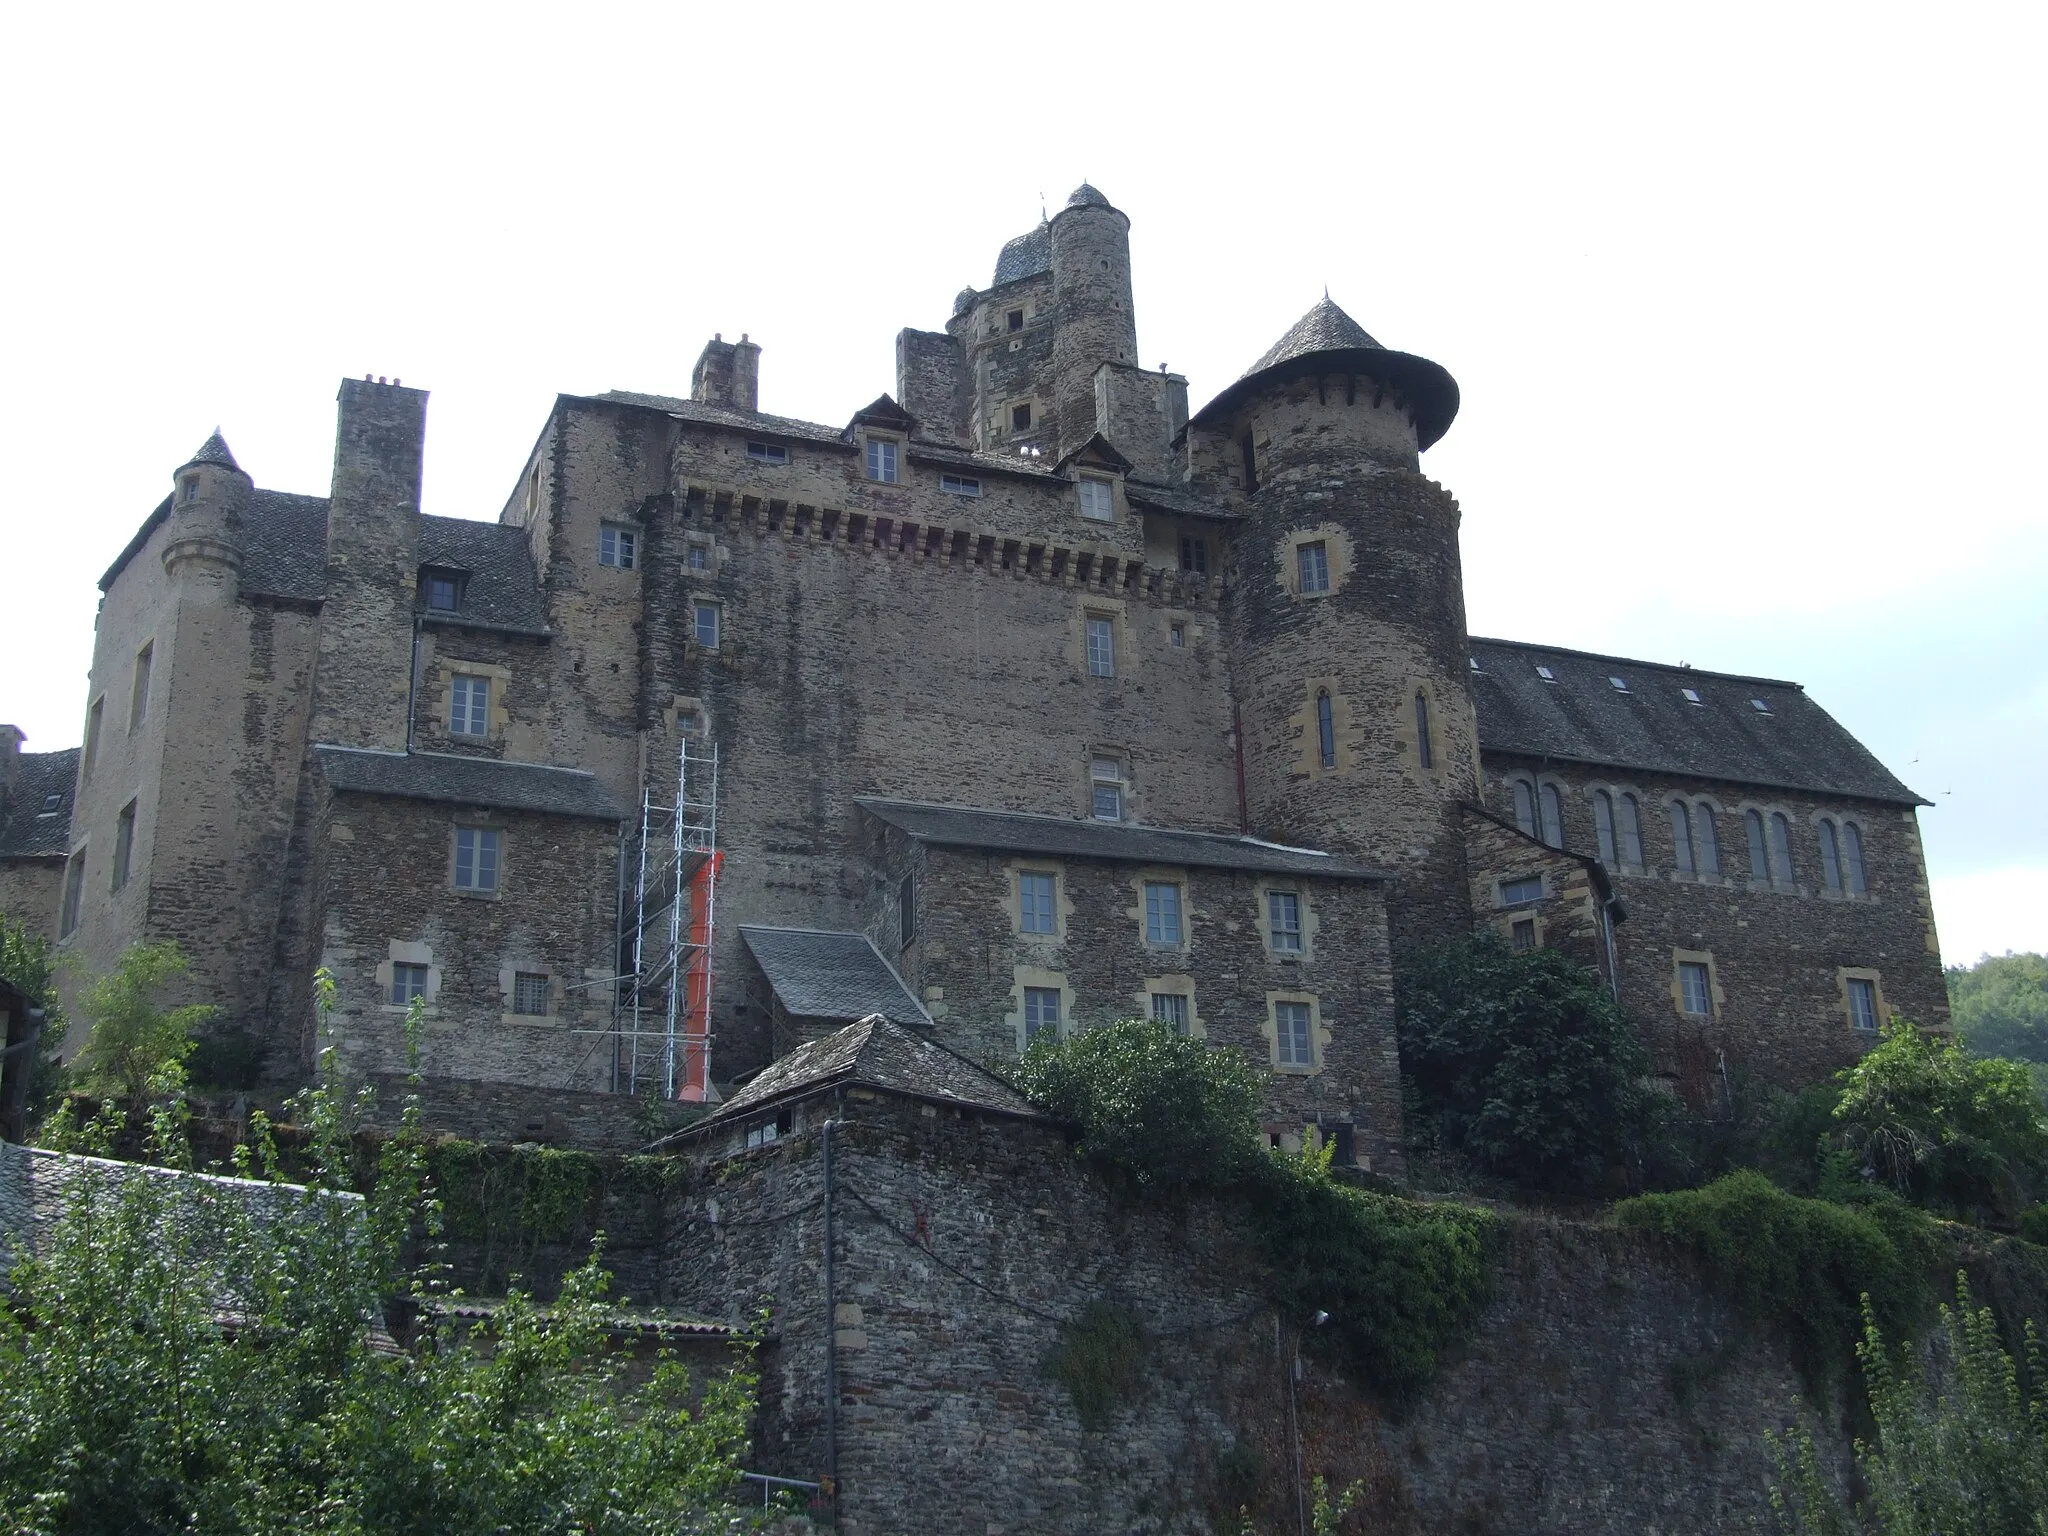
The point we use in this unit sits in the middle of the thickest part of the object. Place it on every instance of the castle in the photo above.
(1022, 701)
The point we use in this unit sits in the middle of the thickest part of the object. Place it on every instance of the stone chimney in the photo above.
(728, 373)
(11, 738)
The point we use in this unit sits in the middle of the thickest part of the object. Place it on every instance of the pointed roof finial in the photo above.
(213, 451)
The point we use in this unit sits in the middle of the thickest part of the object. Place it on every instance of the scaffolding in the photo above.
(664, 1036)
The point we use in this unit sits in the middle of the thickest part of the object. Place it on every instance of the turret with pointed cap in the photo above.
(208, 493)
(1094, 318)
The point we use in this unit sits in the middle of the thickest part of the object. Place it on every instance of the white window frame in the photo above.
(699, 607)
(1516, 884)
(1166, 914)
(959, 485)
(1100, 784)
(883, 459)
(479, 860)
(618, 546)
(1100, 632)
(1036, 904)
(1098, 500)
(768, 453)
(1312, 567)
(1872, 993)
(469, 704)
(1172, 1008)
(1695, 974)
(1035, 1002)
(1291, 1050)
(1288, 937)
(403, 974)
(696, 556)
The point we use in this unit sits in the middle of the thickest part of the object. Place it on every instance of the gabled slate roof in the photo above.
(882, 411)
(480, 781)
(712, 415)
(1326, 340)
(27, 830)
(960, 826)
(873, 1053)
(1582, 717)
(503, 590)
(817, 974)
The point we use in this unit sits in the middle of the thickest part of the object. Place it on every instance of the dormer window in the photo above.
(443, 590)
(1098, 501)
(882, 460)
(767, 453)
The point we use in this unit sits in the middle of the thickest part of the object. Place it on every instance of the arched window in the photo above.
(1781, 848)
(1629, 824)
(1759, 860)
(1424, 754)
(1852, 858)
(1326, 729)
(1553, 815)
(1709, 839)
(1525, 807)
(1830, 856)
(1603, 825)
(1681, 836)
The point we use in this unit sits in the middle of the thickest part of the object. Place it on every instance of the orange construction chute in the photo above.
(694, 1081)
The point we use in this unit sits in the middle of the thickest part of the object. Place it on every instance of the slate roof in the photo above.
(723, 416)
(1164, 498)
(820, 975)
(483, 781)
(27, 831)
(213, 451)
(1026, 256)
(1582, 717)
(1085, 196)
(1327, 340)
(874, 1053)
(503, 591)
(284, 545)
(959, 826)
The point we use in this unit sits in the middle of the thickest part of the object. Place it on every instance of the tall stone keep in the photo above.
(1347, 623)
(1095, 321)
(373, 527)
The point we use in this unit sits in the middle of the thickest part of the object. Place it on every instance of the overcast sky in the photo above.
(1746, 303)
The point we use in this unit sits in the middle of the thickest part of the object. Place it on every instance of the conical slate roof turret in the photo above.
(213, 451)
(1326, 340)
(1085, 196)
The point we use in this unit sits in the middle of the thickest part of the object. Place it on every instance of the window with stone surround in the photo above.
(1106, 787)
(94, 718)
(1015, 319)
(1759, 854)
(124, 844)
(1098, 500)
(1522, 935)
(1695, 989)
(1164, 927)
(1841, 857)
(529, 992)
(617, 545)
(1312, 567)
(1861, 997)
(1194, 555)
(1283, 922)
(138, 701)
(960, 485)
(1101, 646)
(74, 894)
(1037, 892)
(1681, 837)
(1628, 830)
(1525, 805)
(1830, 857)
(478, 858)
(1852, 859)
(1041, 1012)
(1552, 805)
(881, 460)
(1707, 837)
(704, 624)
(767, 453)
(1425, 752)
(1171, 1008)
(697, 557)
(1294, 1033)
(1521, 892)
(1020, 417)
(1782, 868)
(469, 705)
(408, 981)
(1326, 729)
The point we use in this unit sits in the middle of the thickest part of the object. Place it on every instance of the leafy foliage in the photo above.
(1524, 1065)
(1400, 1280)
(1943, 1128)
(179, 1358)
(2000, 1006)
(1100, 1360)
(1802, 1264)
(137, 1047)
(1960, 1446)
(26, 961)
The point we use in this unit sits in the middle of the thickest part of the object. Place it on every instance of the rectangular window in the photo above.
(882, 460)
(697, 558)
(960, 485)
(408, 981)
(1101, 647)
(476, 858)
(1312, 565)
(1177, 636)
(617, 546)
(1016, 319)
(767, 453)
(1035, 911)
(74, 893)
(138, 703)
(1695, 993)
(1171, 1008)
(1519, 893)
(92, 735)
(1283, 921)
(1194, 555)
(444, 592)
(124, 844)
(1162, 913)
(1041, 1012)
(530, 992)
(1293, 1029)
(1098, 502)
(704, 624)
(906, 911)
(1862, 1003)
(1523, 934)
(1020, 418)
(469, 705)
(1106, 782)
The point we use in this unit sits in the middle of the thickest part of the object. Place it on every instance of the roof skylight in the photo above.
(1760, 706)
(1620, 684)
(1546, 674)
(1692, 695)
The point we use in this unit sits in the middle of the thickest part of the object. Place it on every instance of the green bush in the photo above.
(137, 1047)
(1800, 1264)
(2000, 1006)
(1163, 1114)
(1943, 1128)
(26, 961)
(1522, 1064)
(1100, 1360)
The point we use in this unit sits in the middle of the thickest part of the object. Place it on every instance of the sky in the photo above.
(1745, 302)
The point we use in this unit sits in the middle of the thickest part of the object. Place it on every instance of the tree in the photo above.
(1943, 1128)
(26, 961)
(2000, 1006)
(1522, 1064)
(137, 1047)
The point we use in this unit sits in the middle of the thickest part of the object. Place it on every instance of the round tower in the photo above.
(1346, 619)
(1095, 321)
(207, 496)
